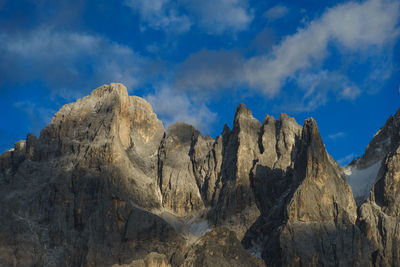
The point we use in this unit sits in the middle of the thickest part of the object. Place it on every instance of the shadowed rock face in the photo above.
(180, 191)
(105, 185)
(379, 216)
(308, 211)
(220, 248)
(320, 214)
(236, 205)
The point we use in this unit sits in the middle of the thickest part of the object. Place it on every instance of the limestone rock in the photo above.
(379, 216)
(362, 173)
(104, 185)
(179, 187)
(72, 191)
(308, 210)
(220, 248)
(236, 207)
(153, 259)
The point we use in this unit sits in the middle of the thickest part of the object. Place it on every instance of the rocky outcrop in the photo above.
(75, 189)
(362, 173)
(236, 207)
(153, 259)
(308, 210)
(321, 211)
(179, 187)
(220, 248)
(105, 185)
(379, 216)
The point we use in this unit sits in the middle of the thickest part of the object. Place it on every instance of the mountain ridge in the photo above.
(105, 184)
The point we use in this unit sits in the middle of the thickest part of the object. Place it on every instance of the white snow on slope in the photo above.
(191, 229)
(199, 228)
(361, 181)
(256, 250)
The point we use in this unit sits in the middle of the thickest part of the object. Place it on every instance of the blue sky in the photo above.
(196, 60)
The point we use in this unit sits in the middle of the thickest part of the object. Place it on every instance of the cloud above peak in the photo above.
(172, 106)
(160, 15)
(218, 16)
(178, 16)
(351, 27)
(69, 63)
(355, 30)
(209, 70)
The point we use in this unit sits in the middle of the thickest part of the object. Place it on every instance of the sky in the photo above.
(196, 60)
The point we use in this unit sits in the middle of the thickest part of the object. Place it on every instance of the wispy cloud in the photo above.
(69, 63)
(160, 15)
(215, 16)
(276, 12)
(172, 106)
(38, 116)
(345, 25)
(317, 86)
(337, 135)
(346, 160)
(299, 58)
(209, 71)
(218, 16)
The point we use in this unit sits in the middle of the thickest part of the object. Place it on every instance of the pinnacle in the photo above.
(118, 88)
(242, 109)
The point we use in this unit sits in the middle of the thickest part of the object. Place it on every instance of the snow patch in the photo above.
(173, 220)
(361, 181)
(199, 228)
(191, 229)
(256, 251)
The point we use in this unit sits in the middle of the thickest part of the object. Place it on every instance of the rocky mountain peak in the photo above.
(363, 172)
(185, 133)
(241, 109)
(320, 179)
(244, 120)
(105, 185)
(385, 140)
(113, 88)
(312, 141)
(310, 131)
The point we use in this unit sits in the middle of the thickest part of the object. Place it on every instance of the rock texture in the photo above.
(180, 191)
(236, 205)
(106, 185)
(380, 214)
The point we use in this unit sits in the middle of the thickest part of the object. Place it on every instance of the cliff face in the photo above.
(106, 185)
(379, 216)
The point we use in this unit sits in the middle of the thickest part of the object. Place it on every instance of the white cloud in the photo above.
(209, 71)
(317, 86)
(215, 16)
(38, 116)
(160, 15)
(356, 25)
(346, 159)
(68, 62)
(352, 26)
(171, 106)
(276, 12)
(337, 135)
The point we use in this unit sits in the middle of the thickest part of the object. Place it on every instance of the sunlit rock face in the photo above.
(106, 185)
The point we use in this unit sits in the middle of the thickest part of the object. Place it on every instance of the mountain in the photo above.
(106, 185)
